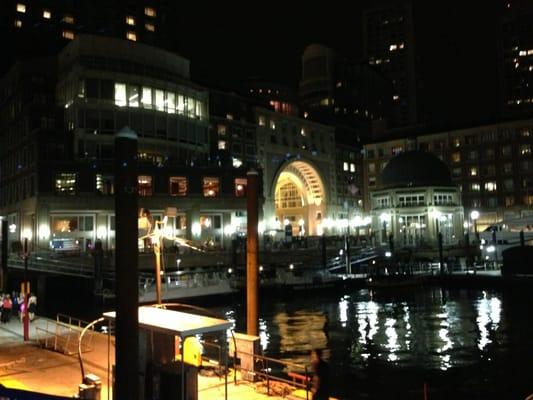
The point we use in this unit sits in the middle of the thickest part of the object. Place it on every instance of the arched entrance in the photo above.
(300, 197)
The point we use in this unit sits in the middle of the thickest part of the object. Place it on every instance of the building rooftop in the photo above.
(414, 168)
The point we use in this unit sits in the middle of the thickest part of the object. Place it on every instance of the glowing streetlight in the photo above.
(474, 215)
(156, 237)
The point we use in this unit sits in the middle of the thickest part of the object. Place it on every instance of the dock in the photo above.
(29, 366)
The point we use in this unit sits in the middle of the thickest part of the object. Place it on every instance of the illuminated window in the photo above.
(178, 186)
(131, 36)
(21, 8)
(372, 168)
(181, 104)
(475, 187)
(67, 34)
(456, 142)
(509, 201)
(68, 223)
(145, 185)
(47, 14)
(240, 187)
(170, 101)
(133, 95)
(525, 149)
(146, 99)
(456, 157)
(324, 102)
(345, 166)
(149, 27)
(199, 111)
(105, 184)
(66, 183)
(211, 187)
(352, 167)
(302, 131)
(150, 11)
(190, 107)
(130, 20)
(159, 100)
(222, 145)
(261, 120)
(393, 47)
(272, 124)
(490, 186)
(120, 94)
(395, 97)
(18, 23)
(473, 171)
(68, 19)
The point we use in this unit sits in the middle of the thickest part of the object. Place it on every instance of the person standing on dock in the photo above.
(320, 383)
(32, 306)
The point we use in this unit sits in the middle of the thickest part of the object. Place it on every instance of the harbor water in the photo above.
(390, 343)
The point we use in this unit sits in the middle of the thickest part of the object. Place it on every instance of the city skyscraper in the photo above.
(516, 58)
(389, 45)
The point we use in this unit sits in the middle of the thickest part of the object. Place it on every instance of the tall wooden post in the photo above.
(26, 316)
(126, 259)
(252, 284)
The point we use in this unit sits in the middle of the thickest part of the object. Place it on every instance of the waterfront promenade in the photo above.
(28, 366)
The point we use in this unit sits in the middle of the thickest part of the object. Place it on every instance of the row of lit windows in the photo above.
(65, 183)
(396, 46)
(131, 35)
(348, 166)
(161, 100)
(47, 14)
(490, 186)
(506, 151)
(520, 101)
(261, 121)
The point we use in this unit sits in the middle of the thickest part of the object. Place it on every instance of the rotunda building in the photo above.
(416, 199)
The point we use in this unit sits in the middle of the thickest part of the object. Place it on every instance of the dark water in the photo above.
(384, 344)
(462, 343)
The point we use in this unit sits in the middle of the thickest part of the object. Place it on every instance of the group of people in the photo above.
(12, 305)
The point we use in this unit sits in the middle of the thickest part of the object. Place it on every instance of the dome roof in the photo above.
(414, 168)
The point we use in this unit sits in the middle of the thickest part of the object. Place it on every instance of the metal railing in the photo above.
(62, 335)
(286, 373)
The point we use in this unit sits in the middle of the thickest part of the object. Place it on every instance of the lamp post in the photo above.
(384, 218)
(474, 215)
(26, 285)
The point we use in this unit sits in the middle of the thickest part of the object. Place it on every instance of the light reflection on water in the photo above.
(430, 329)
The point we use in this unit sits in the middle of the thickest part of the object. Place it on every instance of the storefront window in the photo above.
(145, 185)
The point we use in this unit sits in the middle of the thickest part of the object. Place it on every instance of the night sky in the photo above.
(456, 48)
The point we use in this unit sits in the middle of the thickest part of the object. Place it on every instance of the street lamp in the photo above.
(384, 218)
(474, 215)
(156, 236)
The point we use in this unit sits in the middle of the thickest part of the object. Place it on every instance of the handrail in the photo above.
(96, 321)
